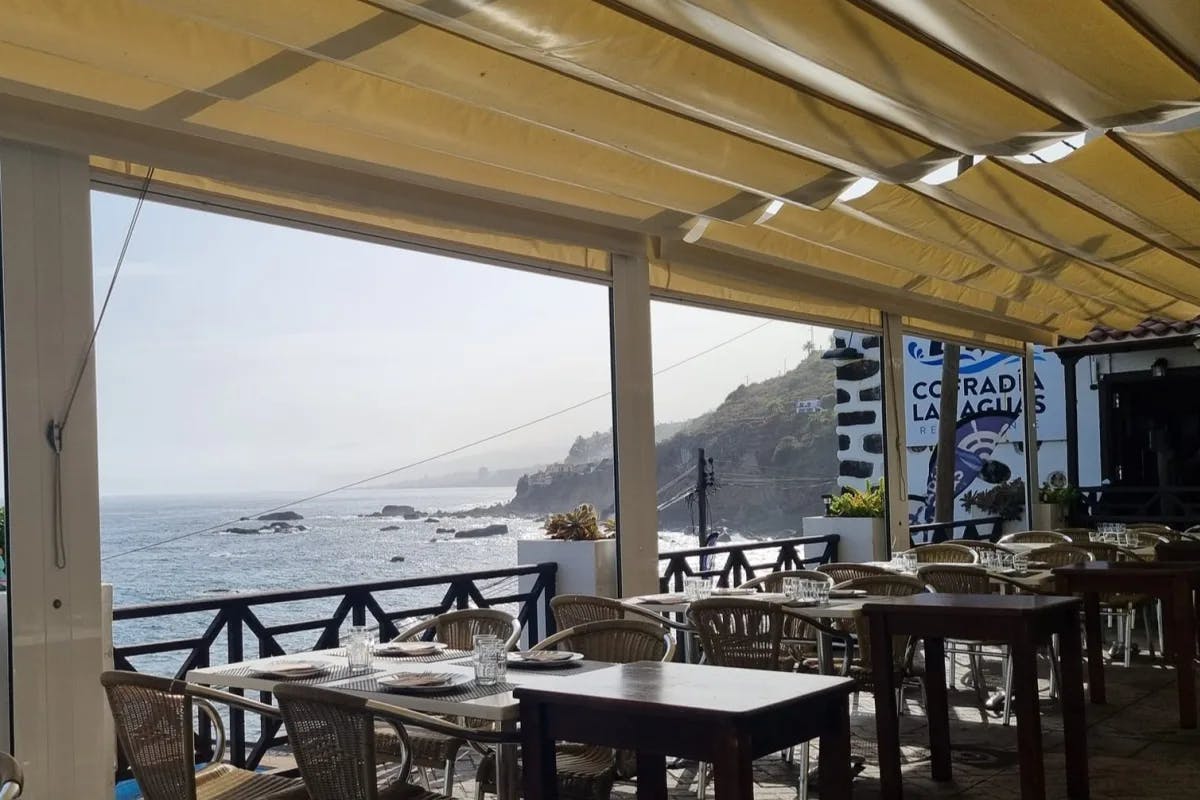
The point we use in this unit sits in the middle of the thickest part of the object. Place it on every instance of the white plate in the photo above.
(453, 681)
(409, 649)
(520, 660)
(296, 670)
(735, 592)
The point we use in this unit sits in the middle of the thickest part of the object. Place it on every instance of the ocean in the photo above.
(341, 545)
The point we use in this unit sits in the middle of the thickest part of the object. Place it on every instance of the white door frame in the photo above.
(45, 244)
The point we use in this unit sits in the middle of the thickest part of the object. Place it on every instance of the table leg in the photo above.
(834, 759)
(1029, 720)
(537, 749)
(938, 709)
(733, 771)
(887, 721)
(824, 653)
(1074, 716)
(1183, 622)
(651, 776)
(1095, 647)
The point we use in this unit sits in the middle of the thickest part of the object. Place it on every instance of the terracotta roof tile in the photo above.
(1152, 327)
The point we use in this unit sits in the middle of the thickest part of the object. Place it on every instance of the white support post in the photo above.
(58, 707)
(1029, 411)
(633, 427)
(894, 441)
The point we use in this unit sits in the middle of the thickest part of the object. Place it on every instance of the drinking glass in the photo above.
(489, 659)
(696, 589)
(791, 588)
(1021, 562)
(360, 646)
(1005, 560)
(910, 561)
(821, 592)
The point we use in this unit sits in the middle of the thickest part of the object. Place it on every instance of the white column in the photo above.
(45, 236)
(1029, 409)
(894, 436)
(633, 427)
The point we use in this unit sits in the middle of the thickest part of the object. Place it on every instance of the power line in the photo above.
(428, 459)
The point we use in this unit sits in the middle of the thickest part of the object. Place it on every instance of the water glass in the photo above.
(909, 560)
(821, 592)
(1005, 560)
(489, 659)
(1021, 562)
(360, 646)
(697, 589)
(791, 588)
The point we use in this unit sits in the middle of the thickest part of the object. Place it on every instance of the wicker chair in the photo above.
(588, 771)
(1035, 537)
(773, 581)
(1063, 555)
(888, 585)
(966, 579)
(457, 629)
(1145, 538)
(153, 718)
(980, 545)
(12, 780)
(945, 553)
(848, 571)
(571, 610)
(1075, 534)
(1119, 606)
(333, 736)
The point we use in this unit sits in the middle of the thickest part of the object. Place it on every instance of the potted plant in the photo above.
(857, 518)
(1055, 498)
(1005, 500)
(584, 548)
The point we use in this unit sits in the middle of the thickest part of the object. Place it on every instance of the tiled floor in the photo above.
(1135, 747)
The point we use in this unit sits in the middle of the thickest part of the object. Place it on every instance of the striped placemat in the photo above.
(445, 655)
(468, 691)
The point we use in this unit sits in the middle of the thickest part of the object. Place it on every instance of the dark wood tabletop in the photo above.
(698, 689)
(970, 605)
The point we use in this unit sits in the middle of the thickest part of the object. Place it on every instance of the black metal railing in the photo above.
(234, 619)
(985, 528)
(737, 567)
(1171, 505)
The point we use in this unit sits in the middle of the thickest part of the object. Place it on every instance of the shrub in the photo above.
(853, 503)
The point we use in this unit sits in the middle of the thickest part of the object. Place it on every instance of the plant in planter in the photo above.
(579, 524)
(1005, 500)
(1055, 499)
(853, 503)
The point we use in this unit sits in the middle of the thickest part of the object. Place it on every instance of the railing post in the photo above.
(549, 590)
(237, 717)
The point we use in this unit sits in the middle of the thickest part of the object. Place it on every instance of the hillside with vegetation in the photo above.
(774, 452)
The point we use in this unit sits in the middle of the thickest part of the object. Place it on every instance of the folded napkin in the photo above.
(545, 655)
(407, 649)
(414, 679)
(298, 669)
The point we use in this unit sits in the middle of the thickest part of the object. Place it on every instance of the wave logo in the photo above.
(970, 361)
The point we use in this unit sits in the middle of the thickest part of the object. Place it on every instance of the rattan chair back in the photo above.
(1062, 555)
(848, 570)
(570, 610)
(955, 578)
(617, 641)
(773, 582)
(978, 544)
(1145, 538)
(458, 629)
(153, 718)
(1105, 551)
(1075, 534)
(739, 632)
(1035, 537)
(889, 585)
(332, 736)
(12, 779)
(945, 553)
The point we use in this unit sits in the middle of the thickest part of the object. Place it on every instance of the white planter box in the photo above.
(862, 538)
(1047, 517)
(587, 567)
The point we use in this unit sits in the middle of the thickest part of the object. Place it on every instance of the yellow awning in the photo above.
(551, 134)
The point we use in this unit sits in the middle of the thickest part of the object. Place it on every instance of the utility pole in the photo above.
(704, 483)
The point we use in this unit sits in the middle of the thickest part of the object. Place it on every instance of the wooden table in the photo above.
(724, 716)
(1171, 582)
(1023, 622)
(501, 708)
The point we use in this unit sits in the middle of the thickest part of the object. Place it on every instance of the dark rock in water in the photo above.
(432, 519)
(242, 530)
(396, 511)
(279, 527)
(390, 528)
(276, 516)
(488, 530)
(443, 530)
(301, 528)
(397, 559)
(412, 515)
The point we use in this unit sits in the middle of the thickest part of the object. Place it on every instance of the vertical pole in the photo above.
(634, 453)
(1029, 412)
(701, 498)
(45, 253)
(947, 430)
(1071, 387)
(894, 442)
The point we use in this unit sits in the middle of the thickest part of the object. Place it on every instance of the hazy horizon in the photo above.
(239, 356)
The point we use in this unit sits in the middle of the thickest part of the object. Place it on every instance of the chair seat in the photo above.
(585, 771)
(429, 749)
(393, 788)
(226, 782)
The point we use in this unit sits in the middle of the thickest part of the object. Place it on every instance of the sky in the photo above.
(242, 356)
